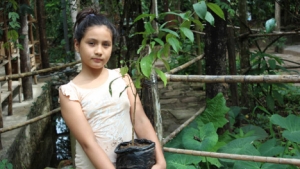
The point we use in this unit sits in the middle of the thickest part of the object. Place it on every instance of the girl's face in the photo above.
(95, 47)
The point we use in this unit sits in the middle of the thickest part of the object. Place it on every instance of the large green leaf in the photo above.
(148, 28)
(182, 161)
(239, 146)
(143, 16)
(273, 166)
(259, 132)
(200, 9)
(146, 65)
(270, 148)
(161, 75)
(170, 32)
(291, 124)
(209, 18)
(174, 43)
(246, 165)
(216, 9)
(188, 33)
(215, 111)
(202, 138)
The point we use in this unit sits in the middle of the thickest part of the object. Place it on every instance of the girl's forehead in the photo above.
(98, 31)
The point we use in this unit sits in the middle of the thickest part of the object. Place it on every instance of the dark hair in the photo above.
(88, 18)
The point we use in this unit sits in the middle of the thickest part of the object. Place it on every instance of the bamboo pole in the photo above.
(234, 78)
(235, 156)
(33, 120)
(185, 65)
(274, 34)
(16, 76)
(175, 132)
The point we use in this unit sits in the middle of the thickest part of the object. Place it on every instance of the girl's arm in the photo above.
(72, 113)
(143, 126)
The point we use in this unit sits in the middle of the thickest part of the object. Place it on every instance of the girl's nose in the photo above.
(98, 50)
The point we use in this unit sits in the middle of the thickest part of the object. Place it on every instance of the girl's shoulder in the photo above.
(69, 90)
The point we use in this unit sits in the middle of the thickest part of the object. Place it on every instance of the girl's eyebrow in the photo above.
(93, 39)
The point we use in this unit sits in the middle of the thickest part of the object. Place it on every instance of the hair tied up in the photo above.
(91, 14)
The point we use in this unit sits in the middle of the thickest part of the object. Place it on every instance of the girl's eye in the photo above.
(106, 44)
(91, 43)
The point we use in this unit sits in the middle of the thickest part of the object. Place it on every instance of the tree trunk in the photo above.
(24, 55)
(232, 65)
(198, 42)
(42, 33)
(65, 27)
(244, 50)
(74, 5)
(278, 24)
(215, 54)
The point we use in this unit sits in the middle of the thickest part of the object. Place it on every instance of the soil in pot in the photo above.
(141, 155)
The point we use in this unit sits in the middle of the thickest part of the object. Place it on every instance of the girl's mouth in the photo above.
(97, 60)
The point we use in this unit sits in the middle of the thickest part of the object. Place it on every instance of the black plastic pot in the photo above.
(135, 157)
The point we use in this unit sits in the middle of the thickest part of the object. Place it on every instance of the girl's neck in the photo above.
(92, 73)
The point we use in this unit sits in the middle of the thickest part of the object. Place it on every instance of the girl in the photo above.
(98, 120)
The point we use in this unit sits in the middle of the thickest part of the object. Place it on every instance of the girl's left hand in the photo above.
(157, 166)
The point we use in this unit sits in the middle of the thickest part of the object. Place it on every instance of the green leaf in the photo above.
(174, 43)
(261, 108)
(146, 65)
(246, 165)
(259, 132)
(273, 166)
(216, 9)
(239, 146)
(161, 75)
(13, 16)
(148, 28)
(272, 63)
(200, 9)
(188, 33)
(291, 124)
(137, 83)
(109, 87)
(143, 16)
(12, 34)
(141, 48)
(159, 41)
(209, 18)
(170, 31)
(270, 148)
(124, 70)
(199, 24)
(203, 138)
(270, 102)
(278, 96)
(166, 64)
(124, 90)
(270, 25)
(215, 111)
(182, 161)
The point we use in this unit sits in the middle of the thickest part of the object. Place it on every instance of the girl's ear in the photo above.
(76, 45)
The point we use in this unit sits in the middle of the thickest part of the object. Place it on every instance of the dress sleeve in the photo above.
(69, 91)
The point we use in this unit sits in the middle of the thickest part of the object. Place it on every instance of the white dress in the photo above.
(109, 116)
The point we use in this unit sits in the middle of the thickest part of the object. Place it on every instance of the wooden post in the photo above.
(42, 33)
(24, 56)
(8, 65)
(232, 64)
(278, 23)
(244, 51)
(150, 101)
